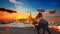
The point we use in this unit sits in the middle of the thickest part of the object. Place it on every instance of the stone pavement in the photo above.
(22, 31)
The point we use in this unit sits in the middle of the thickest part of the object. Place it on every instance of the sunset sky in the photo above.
(30, 5)
(26, 6)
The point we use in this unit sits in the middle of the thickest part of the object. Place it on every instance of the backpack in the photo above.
(43, 23)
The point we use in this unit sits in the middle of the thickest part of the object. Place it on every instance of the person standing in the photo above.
(40, 22)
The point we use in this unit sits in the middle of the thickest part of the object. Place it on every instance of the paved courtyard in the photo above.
(23, 31)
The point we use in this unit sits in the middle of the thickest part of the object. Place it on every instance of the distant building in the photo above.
(57, 23)
(27, 20)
